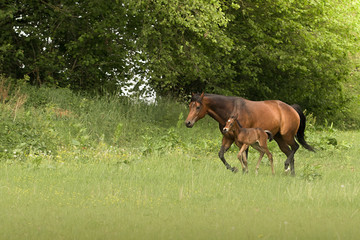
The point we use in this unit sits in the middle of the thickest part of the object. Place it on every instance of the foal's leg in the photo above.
(242, 157)
(260, 149)
(258, 163)
(265, 149)
(226, 143)
(268, 153)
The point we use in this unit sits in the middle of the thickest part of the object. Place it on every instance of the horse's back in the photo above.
(273, 115)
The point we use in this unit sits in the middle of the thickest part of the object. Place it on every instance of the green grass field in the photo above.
(103, 172)
(178, 195)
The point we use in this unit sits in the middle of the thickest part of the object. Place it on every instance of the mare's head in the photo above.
(197, 110)
(230, 124)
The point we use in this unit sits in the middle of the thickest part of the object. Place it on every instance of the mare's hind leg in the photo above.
(294, 148)
(284, 147)
(226, 143)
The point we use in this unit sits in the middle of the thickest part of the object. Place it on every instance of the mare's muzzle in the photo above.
(189, 124)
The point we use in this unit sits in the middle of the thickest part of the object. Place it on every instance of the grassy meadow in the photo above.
(75, 167)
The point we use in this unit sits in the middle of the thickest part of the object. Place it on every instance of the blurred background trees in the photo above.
(297, 51)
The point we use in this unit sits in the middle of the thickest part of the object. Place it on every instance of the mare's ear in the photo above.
(202, 95)
(192, 94)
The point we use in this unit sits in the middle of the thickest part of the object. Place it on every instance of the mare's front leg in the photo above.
(226, 144)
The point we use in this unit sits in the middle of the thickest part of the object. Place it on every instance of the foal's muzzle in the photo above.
(225, 130)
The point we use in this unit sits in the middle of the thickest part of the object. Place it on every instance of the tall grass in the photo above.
(57, 117)
(75, 167)
(175, 195)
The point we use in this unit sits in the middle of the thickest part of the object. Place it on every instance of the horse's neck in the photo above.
(218, 117)
(237, 128)
(219, 112)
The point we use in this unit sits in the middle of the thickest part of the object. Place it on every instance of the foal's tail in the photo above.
(270, 136)
(300, 135)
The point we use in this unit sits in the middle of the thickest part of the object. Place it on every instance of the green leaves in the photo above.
(296, 51)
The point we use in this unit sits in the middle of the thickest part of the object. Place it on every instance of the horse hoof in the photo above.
(234, 169)
(287, 170)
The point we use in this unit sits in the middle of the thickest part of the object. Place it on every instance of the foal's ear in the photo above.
(202, 95)
(234, 116)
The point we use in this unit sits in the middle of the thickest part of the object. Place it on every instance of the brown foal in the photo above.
(256, 137)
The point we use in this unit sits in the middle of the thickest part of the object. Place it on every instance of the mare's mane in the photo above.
(214, 97)
(221, 103)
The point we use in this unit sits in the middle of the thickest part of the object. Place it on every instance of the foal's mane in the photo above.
(237, 121)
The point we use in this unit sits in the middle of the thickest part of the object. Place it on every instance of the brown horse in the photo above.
(256, 137)
(284, 121)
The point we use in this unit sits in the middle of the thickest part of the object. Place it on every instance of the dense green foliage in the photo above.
(43, 120)
(77, 167)
(296, 51)
(68, 43)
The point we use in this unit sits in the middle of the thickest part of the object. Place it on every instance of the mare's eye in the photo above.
(198, 107)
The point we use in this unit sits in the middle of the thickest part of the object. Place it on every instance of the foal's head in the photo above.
(231, 124)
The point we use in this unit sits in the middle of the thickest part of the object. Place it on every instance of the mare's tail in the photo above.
(270, 136)
(300, 135)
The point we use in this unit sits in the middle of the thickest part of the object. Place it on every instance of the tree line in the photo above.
(297, 51)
